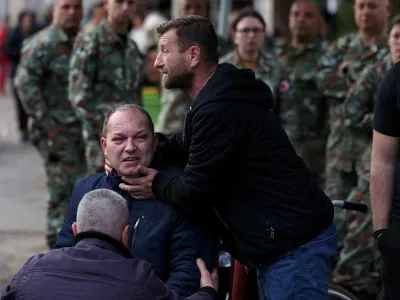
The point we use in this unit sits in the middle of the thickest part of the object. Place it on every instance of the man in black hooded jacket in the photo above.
(239, 162)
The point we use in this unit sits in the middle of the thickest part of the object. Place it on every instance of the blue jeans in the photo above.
(303, 273)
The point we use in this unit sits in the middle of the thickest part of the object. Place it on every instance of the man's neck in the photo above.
(300, 42)
(71, 33)
(119, 28)
(248, 56)
(371, 38)
(200, 80)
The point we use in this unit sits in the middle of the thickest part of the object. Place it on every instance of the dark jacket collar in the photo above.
(102, 240)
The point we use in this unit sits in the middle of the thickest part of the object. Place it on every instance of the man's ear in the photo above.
(75, 228)
(124, 235)
(194, 56)
(103, 144)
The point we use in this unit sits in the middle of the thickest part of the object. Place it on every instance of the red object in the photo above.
(4, 61)
(244, 284)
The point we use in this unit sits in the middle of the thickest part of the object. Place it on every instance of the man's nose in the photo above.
(301, 19)
(72, 11)
(159, 63)
(125, 6)
(130, 147)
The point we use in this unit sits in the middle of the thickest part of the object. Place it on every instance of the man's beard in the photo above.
(179, 78)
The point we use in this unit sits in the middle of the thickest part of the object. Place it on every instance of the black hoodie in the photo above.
(241, 163)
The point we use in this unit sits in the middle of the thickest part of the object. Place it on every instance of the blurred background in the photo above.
(23, 192)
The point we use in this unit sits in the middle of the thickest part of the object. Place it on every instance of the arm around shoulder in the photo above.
(211, 149)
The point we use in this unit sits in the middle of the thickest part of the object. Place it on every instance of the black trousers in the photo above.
(389, 247)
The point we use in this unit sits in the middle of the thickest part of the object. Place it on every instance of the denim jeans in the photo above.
(303, 273)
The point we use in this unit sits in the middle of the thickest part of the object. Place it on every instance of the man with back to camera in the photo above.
(239, 161)
(98, 266)
(385, 180)
(159, 233)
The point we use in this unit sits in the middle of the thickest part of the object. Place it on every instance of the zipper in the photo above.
(227, 227)
(222, 221)
(271, 230)
(135, 227)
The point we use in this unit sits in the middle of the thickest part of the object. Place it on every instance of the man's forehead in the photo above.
(377, 2)
(304, 6)
(68, 2)
(127, 117)
(192, 2)
(168, 38)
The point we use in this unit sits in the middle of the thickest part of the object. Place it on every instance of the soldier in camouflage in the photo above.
(249, 34)
(106, 69)
(355, 261)
(42, 82)
(338, 70)
(175, 102)
(301, 108)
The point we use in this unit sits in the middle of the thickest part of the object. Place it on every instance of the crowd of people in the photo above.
(252, 142)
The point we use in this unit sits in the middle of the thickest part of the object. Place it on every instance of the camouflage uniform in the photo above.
(88, 27)
(175, 103)
(105, 70)
(268, 69)
(301, 107)
(340, 175)
(41, 82)
(358, 244)
(343, 147)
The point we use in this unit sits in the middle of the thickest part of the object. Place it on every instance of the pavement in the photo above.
(23, 196)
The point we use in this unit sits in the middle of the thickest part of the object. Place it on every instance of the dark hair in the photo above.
(24, 13)
(127, 107)
(164, 5)
(248, 12)
(194, 30)
(395, 21)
